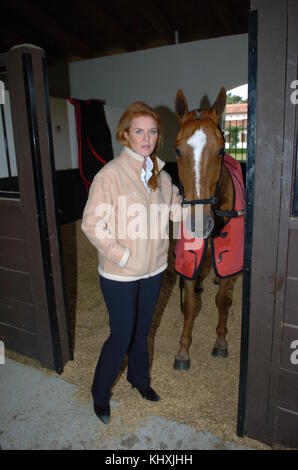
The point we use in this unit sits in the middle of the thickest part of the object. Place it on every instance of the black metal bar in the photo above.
(41, 207)
(250, 185)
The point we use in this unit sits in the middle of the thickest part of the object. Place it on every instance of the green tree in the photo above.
(234, 139)
(233, 99)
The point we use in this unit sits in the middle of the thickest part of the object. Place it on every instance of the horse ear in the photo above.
(219, 104)
(181, 106)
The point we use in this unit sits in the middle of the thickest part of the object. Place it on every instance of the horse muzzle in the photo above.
(208, 225)
(199, 227)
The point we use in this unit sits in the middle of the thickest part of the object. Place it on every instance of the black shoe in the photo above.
(103, 413)
(148, 394)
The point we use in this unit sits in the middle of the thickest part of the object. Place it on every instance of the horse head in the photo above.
(199, 151)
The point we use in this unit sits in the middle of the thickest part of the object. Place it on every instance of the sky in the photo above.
(239, 91)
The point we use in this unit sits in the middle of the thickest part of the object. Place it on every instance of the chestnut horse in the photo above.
(204, 180)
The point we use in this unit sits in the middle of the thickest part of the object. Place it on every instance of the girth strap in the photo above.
(229, 214)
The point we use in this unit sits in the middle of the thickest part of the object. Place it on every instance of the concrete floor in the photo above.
(39, 411)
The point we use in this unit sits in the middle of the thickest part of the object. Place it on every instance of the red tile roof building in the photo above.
(236, 116)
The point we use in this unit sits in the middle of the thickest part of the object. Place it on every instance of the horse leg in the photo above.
(223, 299)
(182, 361)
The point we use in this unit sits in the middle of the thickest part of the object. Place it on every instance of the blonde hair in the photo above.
(139, 108)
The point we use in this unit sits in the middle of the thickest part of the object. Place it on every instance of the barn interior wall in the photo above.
(65, 136)
(71, 195)
(200, 68)
(153, 75)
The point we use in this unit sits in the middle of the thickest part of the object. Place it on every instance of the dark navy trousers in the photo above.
(130, 306)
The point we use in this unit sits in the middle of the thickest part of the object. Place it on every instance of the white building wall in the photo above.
(236, 117)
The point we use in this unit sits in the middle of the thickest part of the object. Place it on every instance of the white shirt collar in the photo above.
(146, 173)
(131, 153)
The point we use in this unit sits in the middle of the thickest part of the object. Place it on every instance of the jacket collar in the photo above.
(136, 156)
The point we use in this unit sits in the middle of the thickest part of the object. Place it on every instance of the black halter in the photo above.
(213, 199)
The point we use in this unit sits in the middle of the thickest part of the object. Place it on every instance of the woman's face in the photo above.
(142, 135)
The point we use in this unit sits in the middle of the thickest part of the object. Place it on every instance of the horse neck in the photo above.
(225, 191)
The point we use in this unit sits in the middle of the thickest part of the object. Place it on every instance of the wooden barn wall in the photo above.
(272, 379)
(33, 311)
(17, 309)
(283, 417)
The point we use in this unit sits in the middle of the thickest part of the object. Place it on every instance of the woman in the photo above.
(120, 220)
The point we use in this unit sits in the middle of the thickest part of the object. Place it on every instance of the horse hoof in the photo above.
(180, 364)
(220, 352)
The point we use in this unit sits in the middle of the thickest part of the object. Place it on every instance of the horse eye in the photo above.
(178, 153)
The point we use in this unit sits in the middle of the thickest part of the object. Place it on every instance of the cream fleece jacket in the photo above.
(124, 222)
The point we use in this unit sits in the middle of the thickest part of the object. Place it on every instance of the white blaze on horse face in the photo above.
(197, 141)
